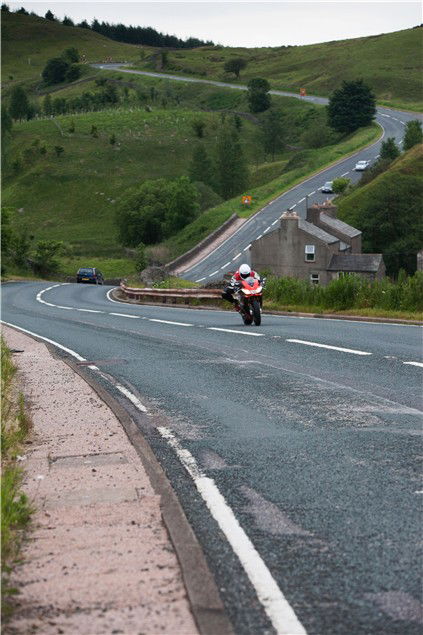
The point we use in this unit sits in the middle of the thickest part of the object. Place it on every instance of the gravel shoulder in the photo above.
(99, 558)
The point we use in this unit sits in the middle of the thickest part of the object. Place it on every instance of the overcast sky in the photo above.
(248, 24)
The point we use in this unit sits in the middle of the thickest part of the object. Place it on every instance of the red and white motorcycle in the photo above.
(249, 297)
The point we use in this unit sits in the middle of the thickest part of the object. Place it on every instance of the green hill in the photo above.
(391, 64)
(388, 211)
(28, 42)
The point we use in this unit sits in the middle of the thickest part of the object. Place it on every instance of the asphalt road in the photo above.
(294, 445)
(235, 250)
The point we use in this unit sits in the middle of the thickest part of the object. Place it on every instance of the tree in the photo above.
(198, 126)
(47, 105)
(55, 70)
(22, 11)
(5, 8)
(183, 205)
(83, 25)
(389, 149)
(413, 134)
(231, 167)
(67, 21)
(140, 258)
(45, 258)
(50, 16)
(350, 107)
(73, 73)
(19, 103)
(201, 167)
(272, 134)
(258, 95)
(141, 213)
(340, 184)
(71, 55)
(235, 66)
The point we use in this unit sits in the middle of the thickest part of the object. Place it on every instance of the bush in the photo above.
(140, 258)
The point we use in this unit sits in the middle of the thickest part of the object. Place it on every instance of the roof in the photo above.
(342, 227)
(317, 232)
(355, 262)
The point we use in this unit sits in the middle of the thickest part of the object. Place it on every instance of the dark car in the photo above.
(90, 275)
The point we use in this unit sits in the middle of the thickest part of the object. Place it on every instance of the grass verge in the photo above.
(16, 509)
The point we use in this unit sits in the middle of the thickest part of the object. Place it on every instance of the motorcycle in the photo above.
(248, 295)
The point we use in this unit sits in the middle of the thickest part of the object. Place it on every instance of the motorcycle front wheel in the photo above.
(255, 305)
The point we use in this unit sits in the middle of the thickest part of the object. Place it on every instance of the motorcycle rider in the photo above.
(243, 273)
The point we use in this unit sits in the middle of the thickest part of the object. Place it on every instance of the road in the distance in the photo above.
(310, 429)
(235, 249)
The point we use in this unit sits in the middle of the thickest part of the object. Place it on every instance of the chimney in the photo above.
(313, 214)
(289, 221)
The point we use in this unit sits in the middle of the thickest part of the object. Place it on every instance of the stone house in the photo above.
(317, 249)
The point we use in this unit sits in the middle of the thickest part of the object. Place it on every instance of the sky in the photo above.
(249, 24)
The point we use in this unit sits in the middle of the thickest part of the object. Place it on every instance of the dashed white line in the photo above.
(214, 273)
(215, 328)
(169, 322)
(201, 279)
(135, 317)
(90, 311)
(224, 266)
(345, 173)
(267, 229)
(300, 201)
(247, 247)
(403, 122)
(275, 221)
(414, 364)
(311, 193)
(280, 613)
(334, 348)
(258, 237)
(237, 256)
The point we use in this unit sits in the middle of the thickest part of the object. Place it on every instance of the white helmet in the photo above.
(245, 271)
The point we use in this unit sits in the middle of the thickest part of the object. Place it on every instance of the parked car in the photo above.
(327, 187)
(361, 165)
(90, 275)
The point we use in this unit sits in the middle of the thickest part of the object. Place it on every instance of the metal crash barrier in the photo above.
(169, 295)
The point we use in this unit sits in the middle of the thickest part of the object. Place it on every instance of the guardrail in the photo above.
(164, 295)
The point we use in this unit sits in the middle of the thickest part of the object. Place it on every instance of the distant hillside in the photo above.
(388, 211)
(391, 64)
(28, 42)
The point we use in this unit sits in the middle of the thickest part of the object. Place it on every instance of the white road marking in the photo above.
(403, 122)
(134, 317)
(311, 193)
(46, 339)
(67, 308)
(269, 594)
(295, 205)
(91, 311)
(266, 230)
(258, 237)
(169, 322)
(132, 398)
(334, 348)
(275, 221)
(247, 247)
(414, 364)
(224, 266)
(215, 328)
(214, 273)
(345, 173)
(201, 279)
(300, 201)
(237, 256)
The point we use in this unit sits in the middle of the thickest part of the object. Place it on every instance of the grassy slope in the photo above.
(410, 163)
(389, 63)
(30, 39)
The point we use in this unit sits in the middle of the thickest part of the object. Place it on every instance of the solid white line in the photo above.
(169, 322)
(214, 328)
(334, 348)
(414, 364)
(67, 308)
(46, 339)
(134, 317)
(269, 594)
(131, 397)
(111, 299)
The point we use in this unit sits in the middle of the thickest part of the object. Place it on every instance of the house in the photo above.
(317, 249)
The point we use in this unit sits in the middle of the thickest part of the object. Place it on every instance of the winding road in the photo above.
(235, 250)
(293, 447)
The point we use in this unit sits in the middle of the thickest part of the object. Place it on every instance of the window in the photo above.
(314, 278)
(309, 253)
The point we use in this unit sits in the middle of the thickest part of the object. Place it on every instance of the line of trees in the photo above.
(146, 36)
